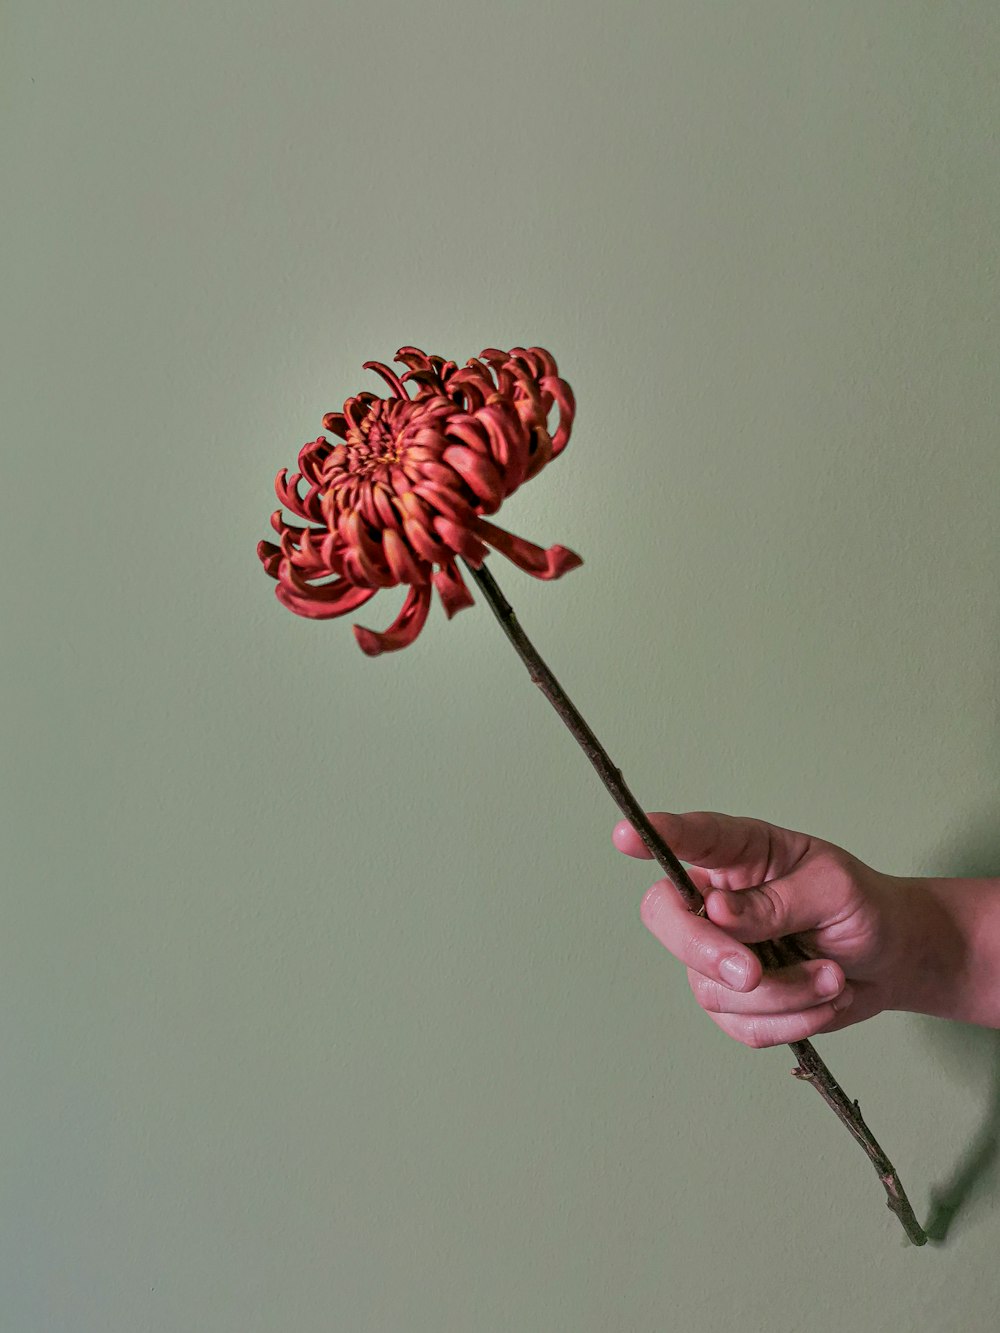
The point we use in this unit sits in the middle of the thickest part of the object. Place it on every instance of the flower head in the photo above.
(402, 491)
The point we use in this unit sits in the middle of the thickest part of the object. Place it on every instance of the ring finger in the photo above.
(759, 1031)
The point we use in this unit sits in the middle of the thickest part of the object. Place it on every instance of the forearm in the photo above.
(951, 963)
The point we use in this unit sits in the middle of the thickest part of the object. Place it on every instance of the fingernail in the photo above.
(843, 1000)
(734, 971)
(826, 982)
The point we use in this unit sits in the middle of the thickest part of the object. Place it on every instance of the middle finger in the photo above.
(783, 991)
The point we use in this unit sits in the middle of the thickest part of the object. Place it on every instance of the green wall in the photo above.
(324, 999)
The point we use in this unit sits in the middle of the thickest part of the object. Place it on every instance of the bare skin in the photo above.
(876, 941)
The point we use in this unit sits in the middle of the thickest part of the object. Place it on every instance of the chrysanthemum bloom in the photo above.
(402, 493)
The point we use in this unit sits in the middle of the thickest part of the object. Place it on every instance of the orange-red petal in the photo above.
(403, 630)
(508, 443)
(461, 540)
(563, 395)
(401, 560)
(446, 502)
(543, 564)
(336, 424)
(389, 375)
(455, 596)
(366, 551)
(270, 557)
(479, 474)
(470, 433)
(324, 602)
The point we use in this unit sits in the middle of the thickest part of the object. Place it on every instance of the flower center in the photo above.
(375, 451)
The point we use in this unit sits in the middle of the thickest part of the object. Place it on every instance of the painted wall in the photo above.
(324, 999)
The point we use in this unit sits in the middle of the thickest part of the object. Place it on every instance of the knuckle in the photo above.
(698, 953)
(649, 904)
(771, 904)
(830, 856)
(757, 1034)
(837, 866)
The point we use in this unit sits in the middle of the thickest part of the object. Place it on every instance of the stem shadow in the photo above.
(976, 1173)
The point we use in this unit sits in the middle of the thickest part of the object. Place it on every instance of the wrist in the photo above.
(949, 948)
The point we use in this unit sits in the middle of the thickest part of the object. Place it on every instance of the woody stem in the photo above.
(776, 953)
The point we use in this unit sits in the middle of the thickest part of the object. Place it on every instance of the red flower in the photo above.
(403, 491)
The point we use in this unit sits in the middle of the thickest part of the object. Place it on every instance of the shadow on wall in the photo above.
(968, 1052)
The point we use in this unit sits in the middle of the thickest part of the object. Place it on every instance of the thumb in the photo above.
(740, 852)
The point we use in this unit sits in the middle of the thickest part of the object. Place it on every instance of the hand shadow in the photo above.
(970, 1050)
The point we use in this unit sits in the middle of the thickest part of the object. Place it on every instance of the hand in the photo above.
(761, 882)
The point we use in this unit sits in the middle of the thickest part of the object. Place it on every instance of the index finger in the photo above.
(758, 851)
(697, 942)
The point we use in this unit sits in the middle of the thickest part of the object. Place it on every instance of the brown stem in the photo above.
(774, 953)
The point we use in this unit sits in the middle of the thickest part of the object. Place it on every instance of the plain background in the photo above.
(324, 998)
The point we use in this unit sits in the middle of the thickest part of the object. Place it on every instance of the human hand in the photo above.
(761, 882)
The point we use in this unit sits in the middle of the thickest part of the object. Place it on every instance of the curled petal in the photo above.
(333, 592)
(543, 362)
(422, 453)
(390, 377)
(455, 596)
(417, 527)
(427, 544)
(529, 403)
(446, 502)
(439, 474)
(401, 560)
(322, 603)
(383, 506)
(270, 557)
(355, 571)
(539, 451)
(356, 409)
(479, 474)
(312, 506)
(563, 395)
(312, 455)
(403, 630)
(508, 443)
(336, 424)
(367, 552)
(411, 506)
(428, 384)
(426, 437)
(310, 560)
(494, 357)
(498, 363)
(399, 479)
(364, 504)
(468, 430)
(413, 358)
(470, 380)
(461, 541)
(543, 564)
(286, 489)
(343, 526)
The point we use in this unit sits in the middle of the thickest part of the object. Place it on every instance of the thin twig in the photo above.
(774, 953)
